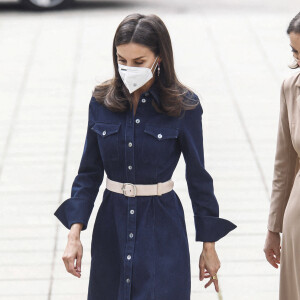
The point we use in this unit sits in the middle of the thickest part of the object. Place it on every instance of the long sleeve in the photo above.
(285, 168)
(208, 225)
(85, 187)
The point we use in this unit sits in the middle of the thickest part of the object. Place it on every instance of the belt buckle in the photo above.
(124, 191)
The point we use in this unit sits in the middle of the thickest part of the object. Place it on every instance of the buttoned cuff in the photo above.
(74, 210)
(211, 229)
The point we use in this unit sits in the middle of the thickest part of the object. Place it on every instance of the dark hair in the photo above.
(294, 26)
(149, 31)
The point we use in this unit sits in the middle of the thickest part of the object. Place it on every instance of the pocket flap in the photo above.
(161, 133)
(105, 129)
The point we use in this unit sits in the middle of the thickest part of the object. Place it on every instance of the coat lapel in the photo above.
(298, 92)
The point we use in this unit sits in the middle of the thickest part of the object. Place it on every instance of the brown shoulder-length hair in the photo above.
(294, 26)
(149, 31)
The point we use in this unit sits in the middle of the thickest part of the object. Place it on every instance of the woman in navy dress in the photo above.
(139, 123)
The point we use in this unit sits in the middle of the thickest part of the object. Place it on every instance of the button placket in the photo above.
(131, 216)
(144, 97)
(130, 243)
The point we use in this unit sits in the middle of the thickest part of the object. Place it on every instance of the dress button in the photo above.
(129, 144)
(104, 132)
(128, 280)
(132, 211)
(129, 167)
(128, 257)
(131, 235)
(159, 135)
(137, 121)
(143, 100)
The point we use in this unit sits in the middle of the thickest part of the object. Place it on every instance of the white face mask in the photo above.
(135, 77)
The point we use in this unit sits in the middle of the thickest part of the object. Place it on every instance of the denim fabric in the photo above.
(139, 248)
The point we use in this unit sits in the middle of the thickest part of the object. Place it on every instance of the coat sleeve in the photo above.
(209, 226)
(85, 187)
(285, 168)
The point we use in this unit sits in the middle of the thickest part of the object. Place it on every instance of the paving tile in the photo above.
(237, 60)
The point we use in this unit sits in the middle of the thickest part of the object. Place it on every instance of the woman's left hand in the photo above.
(209, 264)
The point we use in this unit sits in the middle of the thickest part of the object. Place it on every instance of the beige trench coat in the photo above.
(284, 214)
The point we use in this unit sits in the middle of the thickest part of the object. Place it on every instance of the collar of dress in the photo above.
(154, 91)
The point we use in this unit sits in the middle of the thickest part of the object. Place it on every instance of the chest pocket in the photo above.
(108, 139)
(158, 143)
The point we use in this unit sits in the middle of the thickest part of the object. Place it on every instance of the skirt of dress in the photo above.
(139, 249)
(289, 288)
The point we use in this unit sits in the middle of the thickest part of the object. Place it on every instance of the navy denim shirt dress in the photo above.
(139, 247)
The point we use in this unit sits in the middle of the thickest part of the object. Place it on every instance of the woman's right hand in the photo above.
(74, 250)
(272, 248)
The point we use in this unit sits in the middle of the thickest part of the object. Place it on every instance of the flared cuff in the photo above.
(211, 229)
(74, 210)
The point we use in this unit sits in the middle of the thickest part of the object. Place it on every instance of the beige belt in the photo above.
(132, 190)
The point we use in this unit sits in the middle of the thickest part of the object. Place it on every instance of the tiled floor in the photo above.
(235, 56)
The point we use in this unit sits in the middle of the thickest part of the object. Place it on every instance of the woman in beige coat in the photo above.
(284, 214)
